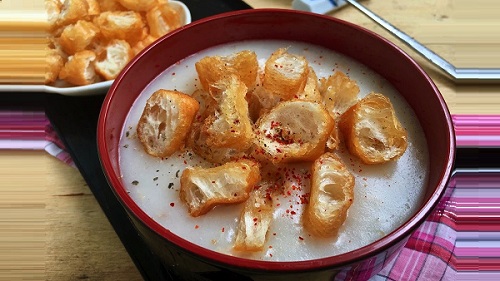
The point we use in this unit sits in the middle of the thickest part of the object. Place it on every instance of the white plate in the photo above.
(87, 90)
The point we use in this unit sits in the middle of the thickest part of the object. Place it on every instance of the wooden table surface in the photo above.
(51, 227)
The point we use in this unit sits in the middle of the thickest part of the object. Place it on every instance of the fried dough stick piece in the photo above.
(372, 130)
(204, 188)
(229, 126)
(338, 93)
(79, 69)
(77, 37)
(72, 11)
(124, 25)
(55, 62)
(332, 193)
(138, 5)
(243, 64)
(311, 89)
(197, 140)
(113, 58)
(162, 19)
(254, 222)
(293, 131)
(165, 122)
(285, 74)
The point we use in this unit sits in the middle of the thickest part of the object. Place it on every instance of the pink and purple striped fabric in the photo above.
(459, 241)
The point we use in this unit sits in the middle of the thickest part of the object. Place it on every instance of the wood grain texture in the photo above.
(23, 42)
(51, 227)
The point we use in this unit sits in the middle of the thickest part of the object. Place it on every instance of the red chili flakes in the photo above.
(196, 226)
(185, 162)
(271, 255)
(304, 198)
(293, 212)
(274, 234)
(172, 204)
(270, 247)
(173, 73)
(301, 238)
(223, 229)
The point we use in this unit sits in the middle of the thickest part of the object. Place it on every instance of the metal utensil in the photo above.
(458, 75)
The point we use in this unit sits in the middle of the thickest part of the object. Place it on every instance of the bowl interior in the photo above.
(351, 40)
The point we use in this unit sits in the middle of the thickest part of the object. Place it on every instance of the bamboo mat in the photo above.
(23, 41)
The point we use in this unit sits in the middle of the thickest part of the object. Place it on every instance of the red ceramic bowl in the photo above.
(188, 261)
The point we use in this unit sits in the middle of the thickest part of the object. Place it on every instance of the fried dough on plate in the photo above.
(79, 69)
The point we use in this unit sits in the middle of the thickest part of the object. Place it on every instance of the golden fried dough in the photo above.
(124, 25)
(94, 8)
(229, 126)
(79, 69)
(293, 131)
(110, 6)
(311, 89)
(165, 122)
(115, 55)
(138, 5)
(372, 130)
(332, 193)
(285, 74)
(244, 64)
(55, 63)
(72, 11)
(338, 93)
(217, 155)
(77, 37)
(53, 8)
(254, 221)
(204, 188)
(162, 19)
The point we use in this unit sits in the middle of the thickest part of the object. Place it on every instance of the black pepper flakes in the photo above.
(135, 182)
(155, 178)
(127, 133)
(177, 173)
(170, 185)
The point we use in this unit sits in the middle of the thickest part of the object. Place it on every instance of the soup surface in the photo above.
(386, 195)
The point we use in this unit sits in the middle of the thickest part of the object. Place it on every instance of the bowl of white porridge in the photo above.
(170, 89)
